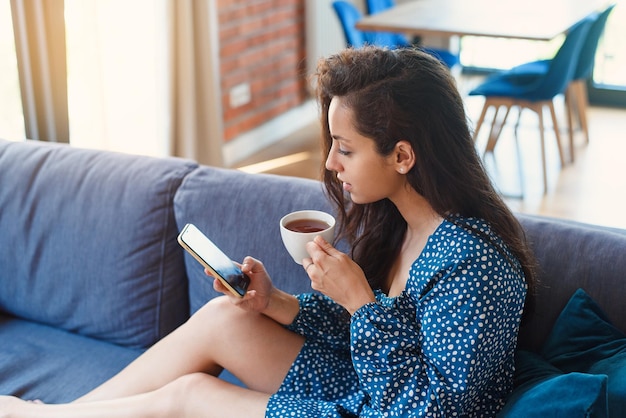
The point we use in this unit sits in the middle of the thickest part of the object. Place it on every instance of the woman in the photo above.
(421, 319)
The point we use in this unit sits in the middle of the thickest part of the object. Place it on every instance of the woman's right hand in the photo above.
(260, 290)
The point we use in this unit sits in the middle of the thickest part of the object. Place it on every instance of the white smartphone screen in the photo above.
(211, 257)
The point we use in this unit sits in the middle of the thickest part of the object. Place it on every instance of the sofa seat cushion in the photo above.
(240, 212)
(41, 362)
(584, 340)
(90, 241)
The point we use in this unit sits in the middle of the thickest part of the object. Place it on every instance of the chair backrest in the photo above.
(349, 15)
(392, 40)
(561, 70)
(590, 46)
(375, 6)
(399, 40)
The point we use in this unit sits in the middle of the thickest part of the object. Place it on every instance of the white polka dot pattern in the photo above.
(444, 347)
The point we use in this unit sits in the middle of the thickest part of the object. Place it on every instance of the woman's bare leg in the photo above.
(195, 395)
(254, 348)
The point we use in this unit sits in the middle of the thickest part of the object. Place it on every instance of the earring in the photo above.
(401, 170)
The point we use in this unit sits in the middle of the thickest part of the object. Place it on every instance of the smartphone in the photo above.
(212, 258)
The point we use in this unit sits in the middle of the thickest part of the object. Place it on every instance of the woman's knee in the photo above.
(199, 394)
(191, 389)
(189, 383)
(225, 318)
(218, 308)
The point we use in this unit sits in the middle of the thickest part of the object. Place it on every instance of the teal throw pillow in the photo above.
(584, 340)
(543, 391)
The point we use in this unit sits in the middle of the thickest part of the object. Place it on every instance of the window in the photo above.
(609, 76)
(485, 53)
(117, 66)
(11, 114)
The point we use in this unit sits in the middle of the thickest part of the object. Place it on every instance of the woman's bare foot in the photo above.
(9, 406)
(12, 407)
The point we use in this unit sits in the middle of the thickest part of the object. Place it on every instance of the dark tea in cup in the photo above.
(301, 227)
(307, 225)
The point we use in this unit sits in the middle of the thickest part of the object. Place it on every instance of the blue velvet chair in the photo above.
(504, 91)
(349, 15)
(445, 56)
(576, 93)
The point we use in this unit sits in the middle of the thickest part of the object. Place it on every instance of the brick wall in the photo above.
(262, 42)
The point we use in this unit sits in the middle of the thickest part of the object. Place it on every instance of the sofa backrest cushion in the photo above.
(573, 255)
(89, 241)
(240, 212)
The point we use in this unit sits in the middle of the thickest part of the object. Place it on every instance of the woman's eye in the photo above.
(343, 152)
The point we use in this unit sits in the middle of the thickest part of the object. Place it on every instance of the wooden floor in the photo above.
(591, 190)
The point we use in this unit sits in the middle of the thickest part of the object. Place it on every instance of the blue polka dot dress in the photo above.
(443, 347)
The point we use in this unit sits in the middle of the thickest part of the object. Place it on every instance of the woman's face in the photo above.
(365, 174)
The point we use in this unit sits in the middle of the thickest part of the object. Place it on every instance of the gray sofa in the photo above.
(91, 273)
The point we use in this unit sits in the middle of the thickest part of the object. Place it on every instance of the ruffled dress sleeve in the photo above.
(321, 319)
(445, 346)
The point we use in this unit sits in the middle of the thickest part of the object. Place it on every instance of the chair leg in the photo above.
(569, 110)
(519, 118)
(481, 119)
(556, 133)
(582, 102)
(496, 127)
(543, 149)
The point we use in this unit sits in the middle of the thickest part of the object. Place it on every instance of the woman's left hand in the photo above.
(335, 275)
(257, 298)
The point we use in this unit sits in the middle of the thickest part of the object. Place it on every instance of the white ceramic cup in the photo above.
(295, 242)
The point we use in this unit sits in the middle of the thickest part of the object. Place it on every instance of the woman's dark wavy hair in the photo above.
(406, 94)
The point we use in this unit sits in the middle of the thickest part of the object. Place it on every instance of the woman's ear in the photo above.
(404, 157)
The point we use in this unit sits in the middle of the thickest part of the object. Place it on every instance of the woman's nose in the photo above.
(330, 163)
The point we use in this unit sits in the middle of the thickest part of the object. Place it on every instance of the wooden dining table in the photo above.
(540, 20)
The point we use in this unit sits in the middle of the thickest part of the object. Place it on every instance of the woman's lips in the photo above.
(346, 186)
